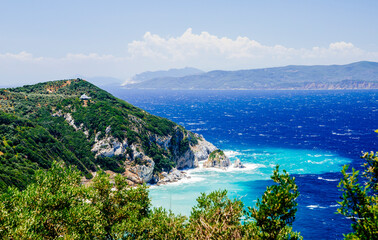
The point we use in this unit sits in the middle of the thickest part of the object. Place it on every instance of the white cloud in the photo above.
(154, 52)
(22, 56)
(204, 45)
(191, 45)
(341, 46)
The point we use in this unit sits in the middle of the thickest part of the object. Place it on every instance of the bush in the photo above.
(359, 198)
(275, 212)
(58, 205)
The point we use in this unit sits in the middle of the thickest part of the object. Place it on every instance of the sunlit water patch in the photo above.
(243, 183)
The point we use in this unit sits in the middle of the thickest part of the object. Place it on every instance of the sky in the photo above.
(50, 40)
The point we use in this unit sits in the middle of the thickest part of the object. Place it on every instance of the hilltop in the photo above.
(359, 75)
(49, 121)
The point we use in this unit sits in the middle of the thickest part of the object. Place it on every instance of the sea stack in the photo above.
(217, 159)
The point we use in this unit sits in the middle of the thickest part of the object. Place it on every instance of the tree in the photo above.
(216, 217)
(122, 208)
(275, 212)
(359, 198)
(55, 205)
(162, 225)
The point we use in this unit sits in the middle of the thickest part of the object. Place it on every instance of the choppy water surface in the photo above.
(311, 134)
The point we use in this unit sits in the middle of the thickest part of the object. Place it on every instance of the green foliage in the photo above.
(162, 164)
(25, 147)
(359, 198)
(121, 207)
(216, 217)
(193, 139)
(275, 212)
(161, 225)
(110, 163)
(215, 153)
(57, 205)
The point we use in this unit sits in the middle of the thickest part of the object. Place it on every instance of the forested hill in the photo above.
(49, 121)
(359, 75)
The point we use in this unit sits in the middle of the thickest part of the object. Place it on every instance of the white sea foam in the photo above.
(328, 180)
(190, 180)
(198, 129)
(334, 205)
(315, 206)
(321, 162)
(356, 138)
(197, 123)
(248, 167)
(341, 134)
(231, 153)
(264, 135)
(315, 155)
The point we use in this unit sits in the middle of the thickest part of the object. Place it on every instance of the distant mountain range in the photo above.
(358, 75)
(181, 72)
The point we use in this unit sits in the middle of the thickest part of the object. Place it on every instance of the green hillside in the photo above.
(48, 121)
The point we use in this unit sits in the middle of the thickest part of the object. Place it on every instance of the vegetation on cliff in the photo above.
(217, 159)
(47, 121)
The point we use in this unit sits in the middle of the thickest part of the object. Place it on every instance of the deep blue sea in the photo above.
(311, 134)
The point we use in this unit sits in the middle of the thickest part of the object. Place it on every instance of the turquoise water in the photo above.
(242, 183)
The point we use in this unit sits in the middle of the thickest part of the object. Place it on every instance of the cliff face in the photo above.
(104, 132)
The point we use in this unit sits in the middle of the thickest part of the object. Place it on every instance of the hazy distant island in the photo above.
(358, 75)
(174, 72)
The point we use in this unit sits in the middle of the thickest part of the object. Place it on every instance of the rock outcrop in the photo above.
(139, 167)
(217, 159)
(202, 150)
(173, 176)
(109, 147)
(238, 164)
(197, 150)
(144, 171)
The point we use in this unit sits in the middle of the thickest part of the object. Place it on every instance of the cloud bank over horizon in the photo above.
(154, 52)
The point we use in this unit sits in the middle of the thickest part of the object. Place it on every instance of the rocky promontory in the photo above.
(77, 123)
(217, 159)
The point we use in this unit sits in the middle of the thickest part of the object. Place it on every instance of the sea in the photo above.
(310, 134)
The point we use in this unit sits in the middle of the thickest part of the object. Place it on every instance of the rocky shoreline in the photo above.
(176, 175)
(139, 167)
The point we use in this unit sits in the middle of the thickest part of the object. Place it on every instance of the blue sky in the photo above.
(46, 40)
